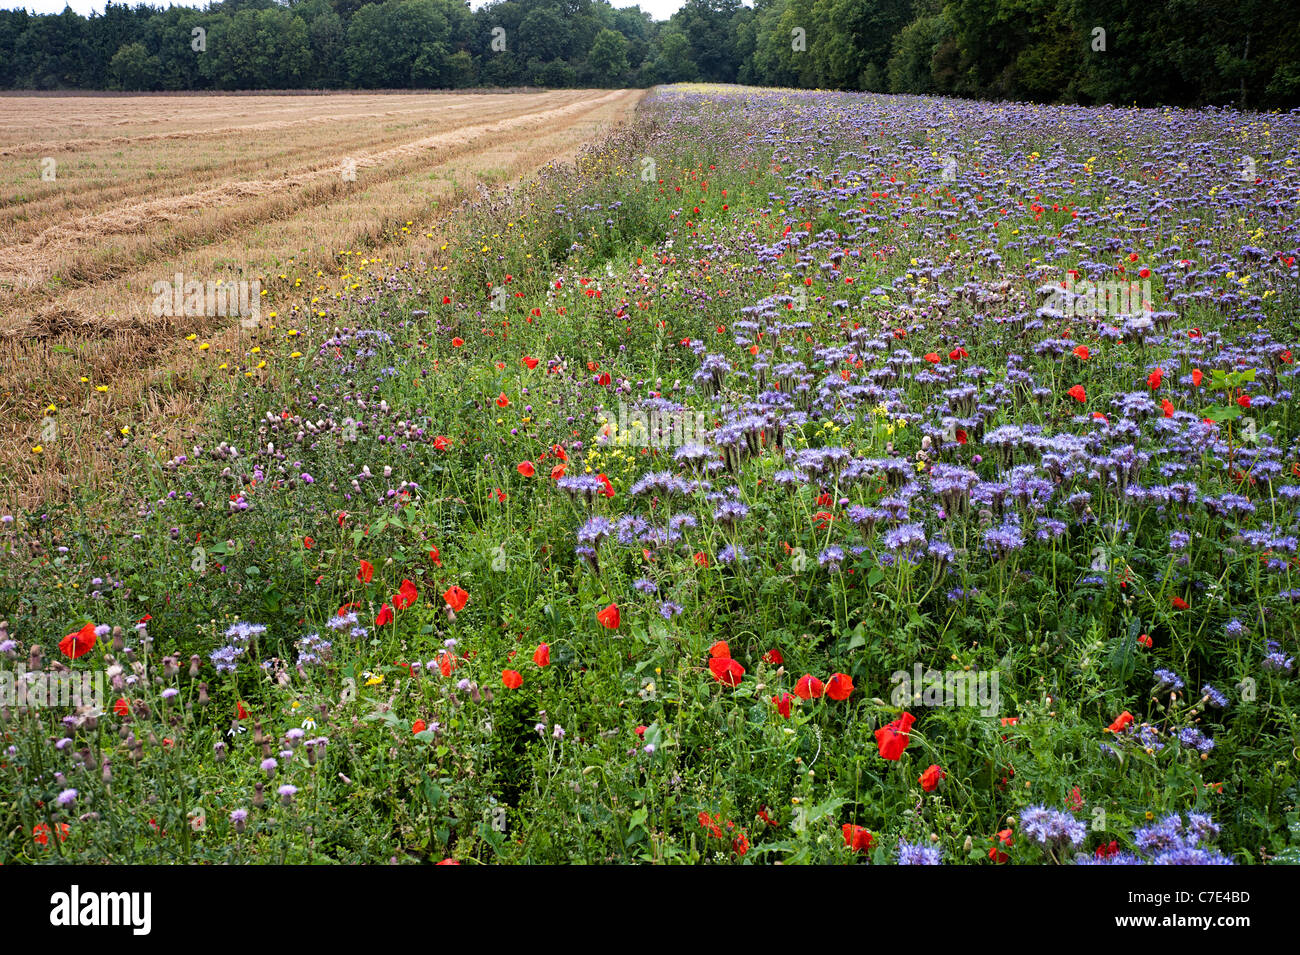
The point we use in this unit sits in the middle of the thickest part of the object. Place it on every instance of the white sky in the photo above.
(659, 9)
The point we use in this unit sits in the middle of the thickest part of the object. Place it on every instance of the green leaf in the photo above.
(859, 638)
(1222, 413)
(654, 736)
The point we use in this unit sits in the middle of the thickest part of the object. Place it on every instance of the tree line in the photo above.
(1174, 52)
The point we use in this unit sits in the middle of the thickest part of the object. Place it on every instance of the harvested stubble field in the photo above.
(102, 196)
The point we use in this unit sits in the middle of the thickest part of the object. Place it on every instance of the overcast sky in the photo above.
(659, 9)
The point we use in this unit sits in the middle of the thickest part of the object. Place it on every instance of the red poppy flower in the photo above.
(720, 649)
(456, 598)
(957, 354)
(929, 779)
(701, 559)
(457, 342)
(366, 572)
(1244, 401)
(1121, 722)
(512, 679)
(1145, 640)
(1003, 838)
(933, 358)
(385, 616)
(405, 596)
(1081, 352)
(856, 838)
(526, 468)
(441, 443)
(808, 687)
(782, 704)
(41, 833)
(1154, 379)
(893, 738)
(542, 655)
(419, 726)
(1167, 407)
(435, 555)
(1078, 394)
(122, 707)
(773, 657)
(79, 642)
(447, 663)
(503, 401)
(740, 844)
(557, 472)
(839, 686)
(1179, 603)
(609, 488)
(530, 362)
(726, 670)
(1197, 376)
(240, 712)
(710, 825)
(608, 617)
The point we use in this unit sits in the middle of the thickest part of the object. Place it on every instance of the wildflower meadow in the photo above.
(793, 477)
